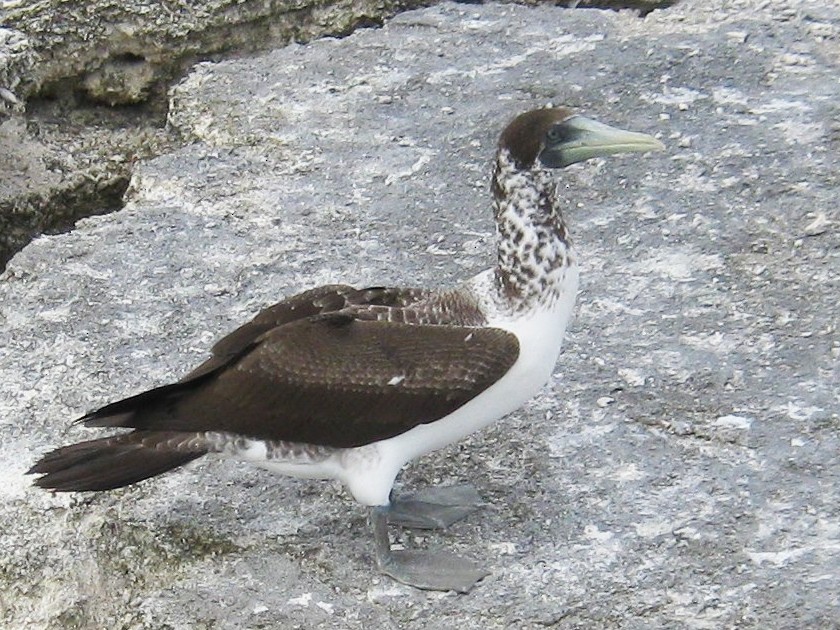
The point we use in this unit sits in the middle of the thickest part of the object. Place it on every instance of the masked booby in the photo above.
(351, 384)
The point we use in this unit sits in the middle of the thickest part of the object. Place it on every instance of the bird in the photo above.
(352, 383)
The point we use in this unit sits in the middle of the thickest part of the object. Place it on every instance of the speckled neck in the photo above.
(534, 248)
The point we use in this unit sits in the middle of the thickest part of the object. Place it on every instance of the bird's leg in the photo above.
(439, 571)
(434, 508)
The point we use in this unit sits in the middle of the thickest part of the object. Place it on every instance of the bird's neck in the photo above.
(534, 249)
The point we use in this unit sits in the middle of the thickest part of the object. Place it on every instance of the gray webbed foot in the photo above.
(434, 508)
(434, 571)
(439, 571)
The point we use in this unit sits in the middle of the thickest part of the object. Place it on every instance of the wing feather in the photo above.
(325, 299)
(328, 379)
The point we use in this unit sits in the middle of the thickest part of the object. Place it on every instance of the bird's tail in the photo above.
(116, 461)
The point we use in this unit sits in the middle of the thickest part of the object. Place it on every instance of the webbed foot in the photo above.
(434, 508)
(434, 571)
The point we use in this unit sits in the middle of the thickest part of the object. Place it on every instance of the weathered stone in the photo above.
(680, 472)
(86, 40)
(69, 57)
(17, 59)
(643, 7)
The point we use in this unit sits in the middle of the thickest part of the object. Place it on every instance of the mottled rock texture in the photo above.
(85, 84)
(681, 470)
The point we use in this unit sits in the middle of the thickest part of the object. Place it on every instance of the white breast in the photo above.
(369, 471)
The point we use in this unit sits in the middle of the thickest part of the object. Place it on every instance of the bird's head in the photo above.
(558, 137)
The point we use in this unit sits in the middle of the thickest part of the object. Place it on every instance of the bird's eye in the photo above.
(561, 133)
(556, 134)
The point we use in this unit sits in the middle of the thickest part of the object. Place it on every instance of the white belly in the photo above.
(369, 471)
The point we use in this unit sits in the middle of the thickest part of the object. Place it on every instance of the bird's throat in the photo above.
(533, 245)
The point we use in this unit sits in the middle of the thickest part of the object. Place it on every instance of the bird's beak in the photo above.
(582, 138)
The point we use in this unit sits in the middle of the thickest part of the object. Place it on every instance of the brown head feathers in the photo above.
(525, 135)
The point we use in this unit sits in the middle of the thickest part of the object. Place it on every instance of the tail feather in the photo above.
(117, 461)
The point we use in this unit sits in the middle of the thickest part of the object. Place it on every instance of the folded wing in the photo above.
(329, 379)
(334, 366)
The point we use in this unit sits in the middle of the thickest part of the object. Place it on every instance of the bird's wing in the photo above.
(325, 299)
(330, 379)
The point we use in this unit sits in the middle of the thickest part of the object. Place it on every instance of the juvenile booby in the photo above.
(351, 384)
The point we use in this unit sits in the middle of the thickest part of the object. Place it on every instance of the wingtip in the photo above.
(43, 465)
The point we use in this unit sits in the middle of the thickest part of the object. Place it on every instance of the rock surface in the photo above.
(67, 152)
(681, 471)
(86, 85)
(118, 51)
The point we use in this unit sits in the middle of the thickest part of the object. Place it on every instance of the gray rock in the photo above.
(67, 71)
(642, 7)
(117, 51)
(63, 65)
(681, 471)
(17, 59)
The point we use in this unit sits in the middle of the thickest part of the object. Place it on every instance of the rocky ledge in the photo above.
(681, 469)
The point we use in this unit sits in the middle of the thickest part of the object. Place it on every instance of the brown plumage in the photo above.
(318, 368)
